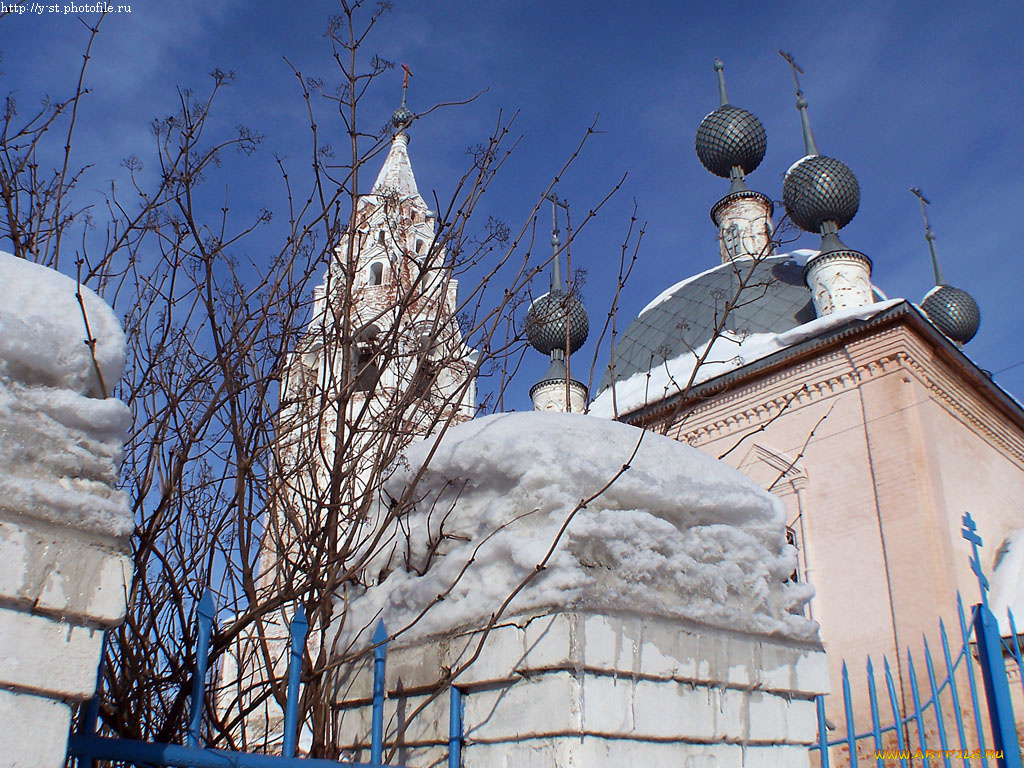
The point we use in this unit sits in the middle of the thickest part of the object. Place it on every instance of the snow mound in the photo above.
(60, 436)
(675, 533)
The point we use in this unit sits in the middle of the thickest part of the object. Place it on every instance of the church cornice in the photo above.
(898, 339)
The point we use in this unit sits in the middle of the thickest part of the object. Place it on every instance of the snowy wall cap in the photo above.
(730, 139)
(43, 339)
(820, 193)
(61, 434)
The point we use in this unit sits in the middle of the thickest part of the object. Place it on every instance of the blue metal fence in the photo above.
(87, 745)
(980, 633)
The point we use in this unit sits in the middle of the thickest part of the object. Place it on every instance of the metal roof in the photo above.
(774, 299)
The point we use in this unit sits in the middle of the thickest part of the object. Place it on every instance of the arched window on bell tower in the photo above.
(376, 275)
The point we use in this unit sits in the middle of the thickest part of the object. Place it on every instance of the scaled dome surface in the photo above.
(819, 189)
(953, 311)
(774, 300)
(400, 117)
(728, 137)
(546, 322)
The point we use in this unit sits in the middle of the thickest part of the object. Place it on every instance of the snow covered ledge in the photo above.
(63, 525)
(660, 632)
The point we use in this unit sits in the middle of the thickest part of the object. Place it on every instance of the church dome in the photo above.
(819, 189)
(684, 317)
(728, 137)
(953, 311)
(401, 117)
(546, 322)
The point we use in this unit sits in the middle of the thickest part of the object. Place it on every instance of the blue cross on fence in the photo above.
(970, 532)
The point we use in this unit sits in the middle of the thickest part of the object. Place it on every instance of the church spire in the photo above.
(396, 175)
(810, 147)
(821, 195)
(929, 236)
(731, 143)
(557, 323)
(952, 310)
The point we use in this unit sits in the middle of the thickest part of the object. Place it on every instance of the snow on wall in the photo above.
(1008, 583)
(678, 534)
(728, 353)
(60, 436)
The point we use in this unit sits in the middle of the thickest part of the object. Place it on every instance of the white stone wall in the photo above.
(577, 689)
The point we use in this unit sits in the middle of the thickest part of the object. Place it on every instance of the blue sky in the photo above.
(907, 94)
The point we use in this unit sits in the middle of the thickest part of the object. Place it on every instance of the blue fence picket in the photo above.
(950, 666)
(297, 631)
(979, 729)
(936, 704)
(380, 653)
(918, 714)
(822, 732)
(206, 612)
(454, 727)
(851, 732)
(876, 731)
(897, 719)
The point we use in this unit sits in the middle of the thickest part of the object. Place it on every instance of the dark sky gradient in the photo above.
(907, 94)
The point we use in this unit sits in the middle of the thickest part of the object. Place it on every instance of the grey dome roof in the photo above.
(546, 319)
(730, 136)
(819, 189)
(953, 312)
(774, 300)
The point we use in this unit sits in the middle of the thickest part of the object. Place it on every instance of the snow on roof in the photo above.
(677, 534)
(794, 165)
(60, 437)
(800, 256)
(729, 352)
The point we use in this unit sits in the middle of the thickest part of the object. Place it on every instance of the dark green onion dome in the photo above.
(547, 318)
(819, 189)
(953, 311)
(401, 117)
(730, 137)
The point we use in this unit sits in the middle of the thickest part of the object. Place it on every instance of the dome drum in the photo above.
(734, 196)
(839, 254)
(560, 382)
